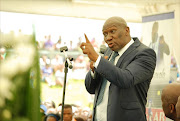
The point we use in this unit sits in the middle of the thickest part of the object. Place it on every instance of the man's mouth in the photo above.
(110, 45)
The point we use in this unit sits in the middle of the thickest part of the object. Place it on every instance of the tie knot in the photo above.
(114, 55)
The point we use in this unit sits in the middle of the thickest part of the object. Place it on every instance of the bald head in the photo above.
(171, 92)
(116, 33)
(169, 99)
(114, 21)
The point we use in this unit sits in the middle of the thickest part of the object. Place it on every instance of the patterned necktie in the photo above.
(103, 85)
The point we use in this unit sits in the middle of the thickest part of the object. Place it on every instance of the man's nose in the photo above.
(108, 37)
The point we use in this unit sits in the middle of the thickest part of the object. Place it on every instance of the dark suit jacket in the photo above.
(129, 82)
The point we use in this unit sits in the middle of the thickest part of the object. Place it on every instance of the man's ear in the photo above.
(172, 107)
(127, 31)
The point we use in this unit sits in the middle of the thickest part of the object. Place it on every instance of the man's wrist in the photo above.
(95, 64)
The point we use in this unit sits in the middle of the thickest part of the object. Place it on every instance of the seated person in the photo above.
(48, 44)
(68, 113)
(169, 98)
(52, 117)
(43, 111)
(47, 74)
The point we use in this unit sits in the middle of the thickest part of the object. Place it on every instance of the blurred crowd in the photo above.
(71, 112)
(51, 59)
(52, 63)
(52, 69)
(48, 44)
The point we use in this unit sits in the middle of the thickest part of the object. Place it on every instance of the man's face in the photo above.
(67, 115)
(114, 36)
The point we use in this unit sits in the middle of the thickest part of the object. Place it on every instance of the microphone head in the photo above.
(71, 59)
(102, 49)
(63, 49)
(70, 66)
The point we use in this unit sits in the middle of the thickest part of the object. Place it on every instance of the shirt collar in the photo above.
(121, 51)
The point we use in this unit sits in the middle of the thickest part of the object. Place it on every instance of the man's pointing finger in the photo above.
(87, 40)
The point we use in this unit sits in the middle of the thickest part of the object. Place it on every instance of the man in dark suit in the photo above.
(120, 83)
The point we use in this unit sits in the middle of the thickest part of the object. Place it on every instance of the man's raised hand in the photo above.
(88, 49)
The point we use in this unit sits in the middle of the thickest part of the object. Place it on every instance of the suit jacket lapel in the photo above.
(128, 51)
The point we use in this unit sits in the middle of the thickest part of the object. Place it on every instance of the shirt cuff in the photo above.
(95, 65)
(97, 62)
(92, 74)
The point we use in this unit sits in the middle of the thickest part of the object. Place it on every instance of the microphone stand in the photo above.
(67, 64)
(64, 88)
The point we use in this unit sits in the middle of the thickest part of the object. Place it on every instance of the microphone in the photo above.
(102, 49)
(63, 49)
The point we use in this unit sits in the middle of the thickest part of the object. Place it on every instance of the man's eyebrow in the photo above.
(112, 27)
(107, 27)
